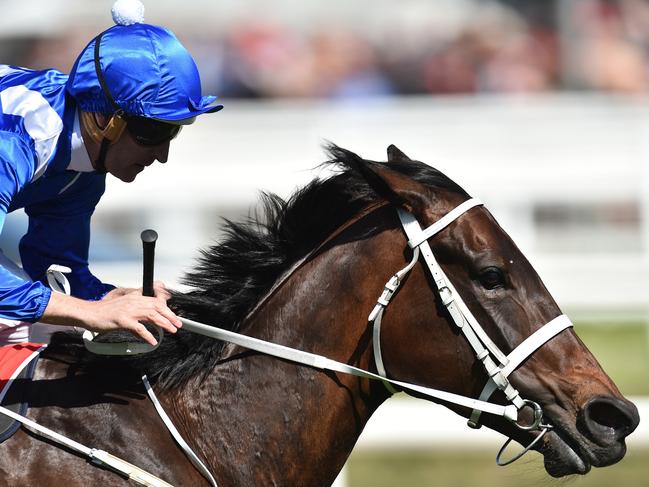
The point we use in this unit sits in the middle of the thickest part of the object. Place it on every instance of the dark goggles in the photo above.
(149, 132)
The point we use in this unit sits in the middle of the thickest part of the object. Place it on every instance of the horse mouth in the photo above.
(562, 454)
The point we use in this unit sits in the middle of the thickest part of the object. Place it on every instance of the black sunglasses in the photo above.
(149, 132)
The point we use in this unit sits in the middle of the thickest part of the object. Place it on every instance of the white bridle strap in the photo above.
(417, 239)
(509, 412)
(376, 315)
(447, 291)
(482, 345)
(534, 341)
(520, 354)
(96, 456)
(458, 309)
(200, 466)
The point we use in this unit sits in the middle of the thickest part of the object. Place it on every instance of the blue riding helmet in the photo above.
(147, 72)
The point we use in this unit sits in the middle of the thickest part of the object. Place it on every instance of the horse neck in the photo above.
(265, 421)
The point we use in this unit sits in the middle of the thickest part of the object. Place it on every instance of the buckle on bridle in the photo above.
(538, 417)
(446, 295)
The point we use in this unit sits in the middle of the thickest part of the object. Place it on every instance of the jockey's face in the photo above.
(127, 158)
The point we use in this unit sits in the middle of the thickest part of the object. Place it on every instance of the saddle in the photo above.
(17, 364)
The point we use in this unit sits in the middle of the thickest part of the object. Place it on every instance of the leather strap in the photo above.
(509, 412)
(519, 355)
(378, 358)
(56, 279)
(98, 457)
(439, 225)
(482, 345)
(200, 466)
(447, 291)
(376, 315)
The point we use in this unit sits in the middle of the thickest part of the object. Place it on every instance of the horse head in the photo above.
(587, 417)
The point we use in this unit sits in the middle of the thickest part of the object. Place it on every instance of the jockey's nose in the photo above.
(162, 151)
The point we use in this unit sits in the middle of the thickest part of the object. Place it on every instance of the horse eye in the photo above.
(492, 278)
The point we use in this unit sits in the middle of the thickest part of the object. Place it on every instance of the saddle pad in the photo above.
(17, 362)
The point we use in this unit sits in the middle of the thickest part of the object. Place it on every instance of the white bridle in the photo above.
(497, 365)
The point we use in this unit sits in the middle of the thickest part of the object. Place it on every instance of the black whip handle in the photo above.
(149, 238)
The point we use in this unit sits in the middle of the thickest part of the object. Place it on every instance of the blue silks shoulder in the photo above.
(36, 126)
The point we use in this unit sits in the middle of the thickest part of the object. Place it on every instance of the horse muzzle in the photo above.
(595, 439)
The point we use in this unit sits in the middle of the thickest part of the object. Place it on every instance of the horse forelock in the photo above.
(233, 275)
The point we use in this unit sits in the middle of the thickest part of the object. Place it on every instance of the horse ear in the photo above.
(395, 187)
(398, 189)
(396, 155)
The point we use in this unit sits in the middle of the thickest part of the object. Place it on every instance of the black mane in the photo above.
(232, 276)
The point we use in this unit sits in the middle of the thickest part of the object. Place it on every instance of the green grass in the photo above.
(623, 352)
(471, 469)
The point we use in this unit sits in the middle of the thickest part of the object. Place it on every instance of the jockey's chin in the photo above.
(127, 171)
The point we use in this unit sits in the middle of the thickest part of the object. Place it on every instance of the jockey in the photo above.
(130, 92)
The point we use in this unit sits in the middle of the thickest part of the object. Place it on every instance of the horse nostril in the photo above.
(609, 419)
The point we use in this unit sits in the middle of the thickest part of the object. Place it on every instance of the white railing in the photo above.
(513, 153)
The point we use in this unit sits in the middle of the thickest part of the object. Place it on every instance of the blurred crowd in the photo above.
(506, 46)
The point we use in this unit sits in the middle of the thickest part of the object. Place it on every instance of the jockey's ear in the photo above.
(395, 154)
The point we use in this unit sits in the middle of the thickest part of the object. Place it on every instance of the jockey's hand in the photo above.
(159, 289)
(125, 309)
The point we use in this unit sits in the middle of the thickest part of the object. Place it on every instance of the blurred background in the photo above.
(540, 108)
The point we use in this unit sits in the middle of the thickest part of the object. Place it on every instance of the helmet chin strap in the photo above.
(100, 162)
(117, 123)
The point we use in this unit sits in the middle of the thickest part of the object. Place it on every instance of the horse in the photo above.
(305, 274)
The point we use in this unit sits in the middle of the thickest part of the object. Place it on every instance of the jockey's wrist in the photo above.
(66, 310)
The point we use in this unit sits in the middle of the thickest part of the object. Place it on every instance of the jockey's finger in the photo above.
(161, 321)
(140, 330)
(161, 292)
(170, 316)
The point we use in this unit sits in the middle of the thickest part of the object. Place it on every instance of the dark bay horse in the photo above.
(307, 276)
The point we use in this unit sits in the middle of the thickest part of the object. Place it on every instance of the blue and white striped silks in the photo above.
(45, 170)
